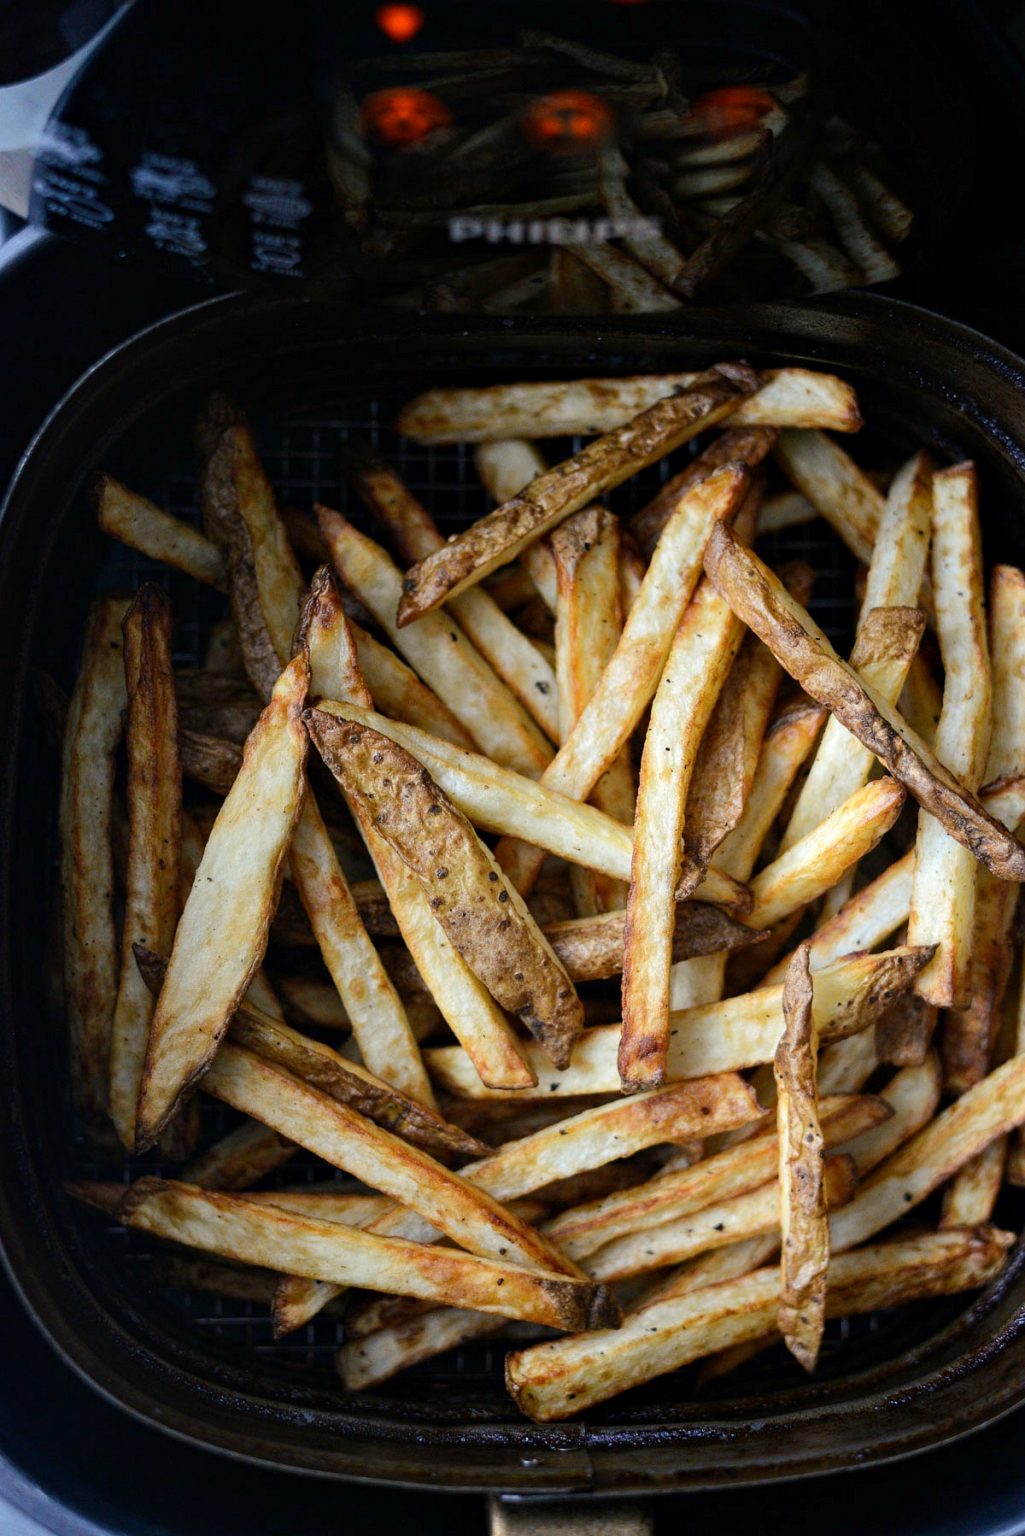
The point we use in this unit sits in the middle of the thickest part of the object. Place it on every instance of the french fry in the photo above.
(787, 744)
(788, 397)
(237, 1228)
(130, 518)
(972, 1195)
(870, 917)
(91, 738)
(415, 535)
(347, 1140)
(695, 671)
(397, 691)
(483, 917)
(152, 884)
(820, 469)
(313, 1002)
(726, 1036)
(588, 624)
(804, 1227)
(632, 288)
(629, 681)
(505, 468)
(243, 1157)
(236, 1282)
(655, 251)
(963, 1130)
(856, 238)
(812, 865)
(591, 948)
(944, 885)
(499, 800)
(714, 1226)
(553, 496)
(557, 1380)
(763, 603)
(379, 1022)
(737, 1170)
(223, 930)
(922, 700)
(366, 1361)
(787, 509)
(474, 1017)
(734, 446)
(223, 655)
(969, 1034)
(440, 652)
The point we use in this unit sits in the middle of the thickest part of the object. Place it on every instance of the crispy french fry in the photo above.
(990, 1109)
(237, 1228)
(378, 1019)
(557, 1380)
(483, 917)
(856, 238)
(721, 1177)
(236, 1282)
(591, 948)
(415, 535)
(912, 1095)
(804, 1227)
(845, 496)
(366, 1361)
(812, 865)
(91, 737)
(439, 650)
(130, 518)
(152, 884)
(734, 446)
(223, 930)
(922, 700)
(695, 671)
(588, 624)
(629, 681)
(870, 917)
(553, 496)
(972, 1195)
(347, 1140)
(505, 468)
(763, 603)
(726, 1036)
(632, 288)
(243, 1157)
(397, 691)
(714, 1226)
(944, 885)
(788, 397)
(787, 744)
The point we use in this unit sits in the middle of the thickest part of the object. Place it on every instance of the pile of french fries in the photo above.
(774, 195)
(458, 794)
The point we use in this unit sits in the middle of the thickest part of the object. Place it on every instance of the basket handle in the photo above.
(534, 1516)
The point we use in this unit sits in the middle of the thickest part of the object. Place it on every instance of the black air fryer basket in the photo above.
(208, 1371)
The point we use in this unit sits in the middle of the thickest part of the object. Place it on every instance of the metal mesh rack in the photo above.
(300, 454)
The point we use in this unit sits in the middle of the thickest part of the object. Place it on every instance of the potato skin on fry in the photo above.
(485, 921)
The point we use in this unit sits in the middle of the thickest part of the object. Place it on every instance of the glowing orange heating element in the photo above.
(567, 122)
(400, 22)
(403, 115)
(732, 109)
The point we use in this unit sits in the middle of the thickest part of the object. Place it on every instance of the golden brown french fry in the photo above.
(905, 1032)
(714, 1226)
(236, 1282)
(223, 930)
(922, 700)
(133, 520)
(912, 1095)
(695, 671)
(591, 948)
(440, 652)
(812, 865)
(943, 889)
(415, 535)
(963, 1130)
(734, 446)
(553, 496)
(870, 917)
(152, 882)
(505, 468)
(971, 1196)
(804, 1227)
(763, 603)
(243, 1157)
(368, 1360)
(588, 624)
(397, 691)
(726, 1036)
(629, 681)
(788, 397)
(820, 469)
(347, 1140)
(485, 919)
(720, 1177)
(261, 1234)
(632, 289)
(378, 1019)
(855, 236)
(91, 737)
(556, 1380)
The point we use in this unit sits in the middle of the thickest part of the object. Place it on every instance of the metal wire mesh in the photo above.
(300, 454)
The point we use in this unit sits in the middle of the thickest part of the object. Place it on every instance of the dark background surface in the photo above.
(78, 1465)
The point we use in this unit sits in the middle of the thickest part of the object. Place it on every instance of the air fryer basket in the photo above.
(207, 1370)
